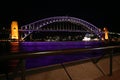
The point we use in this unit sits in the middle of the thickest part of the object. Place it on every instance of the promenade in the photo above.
(78, 71)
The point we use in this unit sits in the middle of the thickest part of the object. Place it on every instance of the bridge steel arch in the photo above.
(43, 22)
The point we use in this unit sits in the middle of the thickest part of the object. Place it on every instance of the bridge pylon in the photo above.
(105, 35)
(14, 31)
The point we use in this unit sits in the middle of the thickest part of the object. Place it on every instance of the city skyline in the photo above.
(100, 14)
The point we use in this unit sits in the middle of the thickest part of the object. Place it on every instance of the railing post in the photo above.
(22, 69)
(110, 62)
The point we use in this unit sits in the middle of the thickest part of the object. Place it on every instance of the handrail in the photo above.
(56, 52)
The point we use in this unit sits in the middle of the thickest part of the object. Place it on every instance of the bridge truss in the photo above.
(40, 26)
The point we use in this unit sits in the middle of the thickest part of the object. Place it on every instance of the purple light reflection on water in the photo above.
(44, 46)
(56, 59)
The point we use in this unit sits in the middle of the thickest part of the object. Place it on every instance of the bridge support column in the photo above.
(14, 31)
(105, 35)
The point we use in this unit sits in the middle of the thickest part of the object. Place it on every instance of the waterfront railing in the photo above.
(111, 52)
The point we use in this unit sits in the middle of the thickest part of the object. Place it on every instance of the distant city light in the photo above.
(86, 39)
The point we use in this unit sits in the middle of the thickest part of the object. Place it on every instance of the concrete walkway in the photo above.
(83, 71)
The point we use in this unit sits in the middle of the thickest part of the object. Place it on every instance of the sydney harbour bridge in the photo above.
(59, 28)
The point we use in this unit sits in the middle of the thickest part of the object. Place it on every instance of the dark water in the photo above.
(26, 47)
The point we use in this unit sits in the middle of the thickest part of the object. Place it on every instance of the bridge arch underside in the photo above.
(61, 31)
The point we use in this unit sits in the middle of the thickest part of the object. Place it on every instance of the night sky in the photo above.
(99, 13)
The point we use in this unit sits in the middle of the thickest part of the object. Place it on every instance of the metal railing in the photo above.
(23, 56)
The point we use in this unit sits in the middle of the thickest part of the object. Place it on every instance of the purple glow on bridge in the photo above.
(41, 23)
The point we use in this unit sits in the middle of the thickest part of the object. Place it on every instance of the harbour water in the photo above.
(28, 47)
